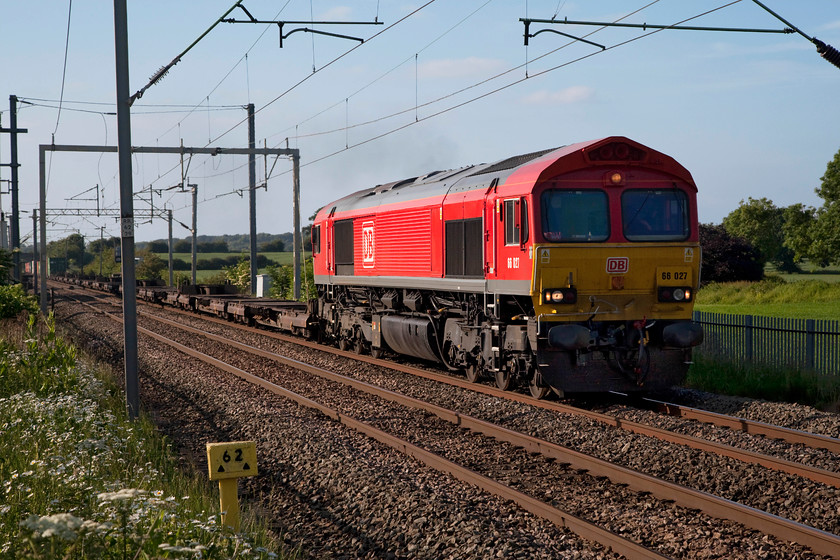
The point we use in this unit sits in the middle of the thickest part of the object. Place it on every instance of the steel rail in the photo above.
(747, 426)
(579, 526)
(752, 427)
(768, 523)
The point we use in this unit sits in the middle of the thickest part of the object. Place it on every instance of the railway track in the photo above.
(820, 541)
(743, 425)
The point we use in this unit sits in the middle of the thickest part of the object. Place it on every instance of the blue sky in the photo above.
(750, 115)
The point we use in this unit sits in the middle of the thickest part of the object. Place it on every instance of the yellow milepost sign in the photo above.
(227, 462)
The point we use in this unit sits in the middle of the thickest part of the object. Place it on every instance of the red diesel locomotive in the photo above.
(572, 269)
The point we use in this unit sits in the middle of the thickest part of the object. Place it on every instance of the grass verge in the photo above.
(82, 482)
(772, 384)
(773, 297)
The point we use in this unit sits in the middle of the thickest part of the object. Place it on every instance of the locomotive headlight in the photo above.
(560, 296)
(675, 294)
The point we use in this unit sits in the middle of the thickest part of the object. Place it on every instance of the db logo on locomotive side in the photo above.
(368, 245)
(618, 265)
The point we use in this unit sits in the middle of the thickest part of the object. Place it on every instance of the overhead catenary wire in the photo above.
(64, 70)
(506, 86)
(509, 85)
(303, 80)
(826, 51)
(451, 94)
(501, 88)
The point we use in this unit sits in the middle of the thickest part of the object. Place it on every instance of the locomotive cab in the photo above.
(615, 274)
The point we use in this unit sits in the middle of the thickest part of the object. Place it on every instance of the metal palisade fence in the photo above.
(772, 341)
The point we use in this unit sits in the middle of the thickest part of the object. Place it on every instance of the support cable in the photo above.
(64, 71)
(826, 51)
(158, 76)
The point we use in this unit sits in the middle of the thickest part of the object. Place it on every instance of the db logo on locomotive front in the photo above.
(618, 265)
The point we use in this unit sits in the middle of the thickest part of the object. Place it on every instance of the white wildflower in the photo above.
(181, 549)
(95, 527)
(61, 525)
(124, 494)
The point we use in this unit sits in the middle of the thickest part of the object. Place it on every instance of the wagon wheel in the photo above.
(343, 344)
(504, 380)
(538, 388)
(473, 372)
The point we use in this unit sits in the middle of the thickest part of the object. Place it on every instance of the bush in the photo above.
(283, 282)
(13, 301)
(81, 481)
(727, 258)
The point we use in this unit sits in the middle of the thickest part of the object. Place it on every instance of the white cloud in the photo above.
(459, 67)
(337, 13)
(830, 26)
(574, 94)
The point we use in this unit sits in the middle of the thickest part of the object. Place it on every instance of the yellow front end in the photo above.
(615, 282)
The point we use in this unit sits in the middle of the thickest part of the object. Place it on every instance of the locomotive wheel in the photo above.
(504, 380)
(472, 372)
(359, 344)
(537, 387)
(343, 344)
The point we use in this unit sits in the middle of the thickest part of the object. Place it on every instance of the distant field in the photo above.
(283, 258)
(797, 298)
(829, 274)
(280, 258)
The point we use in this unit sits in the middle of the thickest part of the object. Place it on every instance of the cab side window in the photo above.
(515, 218)
(316, 239)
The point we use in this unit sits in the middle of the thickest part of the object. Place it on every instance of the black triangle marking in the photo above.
(246, 467)
(221, 469)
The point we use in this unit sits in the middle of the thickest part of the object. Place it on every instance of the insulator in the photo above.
(828, 52)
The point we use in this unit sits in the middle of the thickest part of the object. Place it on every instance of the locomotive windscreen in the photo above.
(575, 216)
(655, 215)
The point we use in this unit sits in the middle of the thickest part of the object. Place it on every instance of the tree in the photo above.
(240, 275)
(761, 223)
(6, 267)
(825, 229)
(109, 264)
(211, 247)
(158, 246)
(798, 231)
(830, 189)
(275, 246)
(825, 233)
(182, 246)
(727, 258)
(150, 267)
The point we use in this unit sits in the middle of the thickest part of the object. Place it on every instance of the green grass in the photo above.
(83, 482)
(773, 297)
(772, 384)
(802, 297)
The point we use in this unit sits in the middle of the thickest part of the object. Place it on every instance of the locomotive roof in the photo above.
(480, 176)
